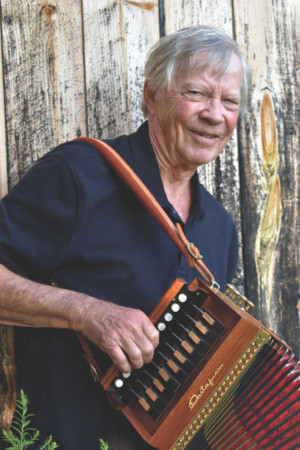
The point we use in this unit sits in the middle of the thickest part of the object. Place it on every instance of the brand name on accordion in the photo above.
(210, 383)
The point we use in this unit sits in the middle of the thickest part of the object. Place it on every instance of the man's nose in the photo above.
(213, 111)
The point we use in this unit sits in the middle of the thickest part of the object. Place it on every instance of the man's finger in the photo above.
(133, 347)
(151, 332)
(120, 359)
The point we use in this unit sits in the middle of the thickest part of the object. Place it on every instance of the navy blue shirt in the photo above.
(73, 220)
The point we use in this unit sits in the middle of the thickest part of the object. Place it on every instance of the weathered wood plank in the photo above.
(221, 177)
(268, 33)
(43, 78)
(180, 14)
(117, 36)
(3, 158)
(7, 377)
(7, 360)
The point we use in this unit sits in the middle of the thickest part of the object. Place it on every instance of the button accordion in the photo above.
(219, 379)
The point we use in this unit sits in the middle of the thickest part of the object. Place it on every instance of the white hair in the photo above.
(176, 50)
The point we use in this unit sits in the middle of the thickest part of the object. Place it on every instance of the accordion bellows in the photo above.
(219, 378)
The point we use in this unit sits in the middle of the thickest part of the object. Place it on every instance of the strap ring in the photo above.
(94, 372)
(215, 286)
(192, 252)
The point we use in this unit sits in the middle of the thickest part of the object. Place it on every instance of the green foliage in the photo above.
(21, 435)
(104, 445)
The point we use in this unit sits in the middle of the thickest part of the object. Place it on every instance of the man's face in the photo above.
(193, 121)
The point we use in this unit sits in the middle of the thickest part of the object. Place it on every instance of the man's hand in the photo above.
(125, 334)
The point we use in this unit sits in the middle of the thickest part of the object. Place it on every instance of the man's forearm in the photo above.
(26, 303)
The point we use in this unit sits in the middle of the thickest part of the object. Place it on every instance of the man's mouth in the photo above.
(206, 135)
(210, 136)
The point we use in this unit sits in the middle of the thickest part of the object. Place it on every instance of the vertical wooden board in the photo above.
(185, 13)
(7, 357)
(268, 33)
(117, 36)
(7, 377)
(43, 78)
(3, 158)
(220, 177)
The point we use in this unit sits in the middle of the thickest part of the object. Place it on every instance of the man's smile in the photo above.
(205, 134)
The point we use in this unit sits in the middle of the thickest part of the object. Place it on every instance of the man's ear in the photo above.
(149, 98)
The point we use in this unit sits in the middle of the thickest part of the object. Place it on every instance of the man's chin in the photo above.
(205, 158)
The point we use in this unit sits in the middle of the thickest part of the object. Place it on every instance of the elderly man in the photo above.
(72, 220)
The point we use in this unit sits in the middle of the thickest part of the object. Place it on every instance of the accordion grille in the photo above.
(261, 411)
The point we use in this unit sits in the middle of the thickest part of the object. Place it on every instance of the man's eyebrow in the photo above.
(198, 85)
(195, 85)
(233, 96)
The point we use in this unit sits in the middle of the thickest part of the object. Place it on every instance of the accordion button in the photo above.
(182, 298)
(168, 317)
(119, 383)
(161, 326)
(126, 374)
(175, 307)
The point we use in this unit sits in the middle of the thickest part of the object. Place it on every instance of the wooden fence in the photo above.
(74, 67)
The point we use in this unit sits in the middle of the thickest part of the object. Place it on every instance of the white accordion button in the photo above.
(175, 307)
(168, 317)
(119, 383)
(182, 298)
(161, 326)
(126, 374)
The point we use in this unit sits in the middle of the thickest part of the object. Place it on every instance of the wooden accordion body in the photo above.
(219, 378)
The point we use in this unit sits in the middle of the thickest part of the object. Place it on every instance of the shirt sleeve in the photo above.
(37, 219)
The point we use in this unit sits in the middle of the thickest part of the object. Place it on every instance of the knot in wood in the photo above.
(48, 10)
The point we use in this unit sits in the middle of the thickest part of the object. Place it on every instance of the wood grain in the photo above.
(7, 356)
(269, 228)
(3, 155)
(43, 78)
(117, 36)
(268, 34)
(7, 376)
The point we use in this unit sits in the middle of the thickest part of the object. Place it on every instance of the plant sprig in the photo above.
(104, 445)
(21, 434)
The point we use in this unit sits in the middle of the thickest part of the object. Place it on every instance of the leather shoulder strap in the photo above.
(190, 251)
